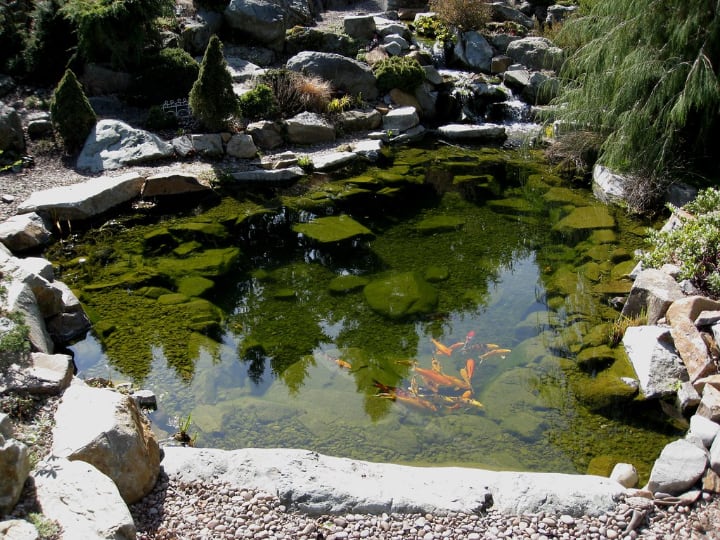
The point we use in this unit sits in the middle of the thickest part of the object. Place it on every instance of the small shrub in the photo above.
(462, 14)
(258, 103)
(166, 75)
(398, 72)
(338, 105)
(212, 100)
(306, 163)
(71, 112)
(434, 28)
(694, 246)
(159, 119)
(49, 44)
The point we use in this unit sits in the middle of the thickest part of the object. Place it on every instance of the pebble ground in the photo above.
(217, 511)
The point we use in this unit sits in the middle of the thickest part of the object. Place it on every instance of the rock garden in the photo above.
(79, 459)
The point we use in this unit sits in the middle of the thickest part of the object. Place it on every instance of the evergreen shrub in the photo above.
(400, 72)
(49, 45)
(71, 112)
(212, 100)
(258, 103)
(169, 74)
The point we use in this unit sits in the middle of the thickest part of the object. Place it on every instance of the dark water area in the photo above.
(449, 308)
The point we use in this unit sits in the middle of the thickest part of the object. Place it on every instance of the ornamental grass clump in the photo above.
(695, 245)
(295, 92)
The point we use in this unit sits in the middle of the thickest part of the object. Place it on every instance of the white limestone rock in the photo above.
(208, 144)
(113, 436)
(113, 144)
(86, 199)
(401, 119)
(654, 359)
(334, 160)
(491, 132)
(703, 429)
(242, 146)
(653, 291)
(309, 128)
(40, 374)
(82, 500)
(680, 465)
(625, 474)
(270, 177)
(315, 483)
(18, 529)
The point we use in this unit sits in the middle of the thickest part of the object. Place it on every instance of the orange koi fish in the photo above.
(467, 372)
(343, 363)
(495, 352)
(440, 348)
(436, 380)
(399, 395)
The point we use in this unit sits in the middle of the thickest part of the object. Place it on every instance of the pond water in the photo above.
(449, 308)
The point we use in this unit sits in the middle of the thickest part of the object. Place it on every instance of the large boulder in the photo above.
(503, 12)
(265, 22)
(535, 53)
(113, 144)
(113, 436)
(14, 469)
(11, 133)
(86, 199)
(473, 50)
(82, 500)
(38, 374)
(345, 73)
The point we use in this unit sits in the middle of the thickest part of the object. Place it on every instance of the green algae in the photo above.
(438, 224)
(401, 295)
(256, 358)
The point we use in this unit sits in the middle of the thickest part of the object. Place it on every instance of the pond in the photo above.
(447, 308)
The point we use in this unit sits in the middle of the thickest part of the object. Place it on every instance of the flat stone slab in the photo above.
(315, 483)
(273, 176)
(173, 183)
(328, 162)
(86, 199)
(472, 132)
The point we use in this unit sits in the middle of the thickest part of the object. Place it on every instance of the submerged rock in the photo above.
(401, 295)
(333, 230)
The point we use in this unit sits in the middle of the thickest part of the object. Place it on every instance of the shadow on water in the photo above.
(449, 307)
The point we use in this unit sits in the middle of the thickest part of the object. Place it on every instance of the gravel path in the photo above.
(216, 511)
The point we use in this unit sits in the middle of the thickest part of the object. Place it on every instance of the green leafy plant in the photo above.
(258, 103)
(212, 100)
(694, 246)
(305, 163)
(159, 119)
(183, 434)
(338, 105)
(71, 112)
(400, 72)
(46, 528)
(462, 14)
(432, 27)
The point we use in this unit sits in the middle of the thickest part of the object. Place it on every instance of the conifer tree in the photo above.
(212, 100)
(644, 74)
(71, 112)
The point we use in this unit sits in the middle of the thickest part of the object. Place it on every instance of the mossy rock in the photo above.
(591, 271)
(586, 217)
(186, 248)
(159, 241)
(603, 236)
(596, 358)
(401, 295)
(131, 281)
(209, 263)
(172, 299)
(152, 292)
(347, 284)
(604, 465)
(435, 274)
(563, 281)
(438, 224)
(561, 196)
(623, 269)
(512, 206)
(615, 287)
(195, 286)
(333, 230)
(285, 294)
(207, 233)
(598, 335)
(602, 392)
